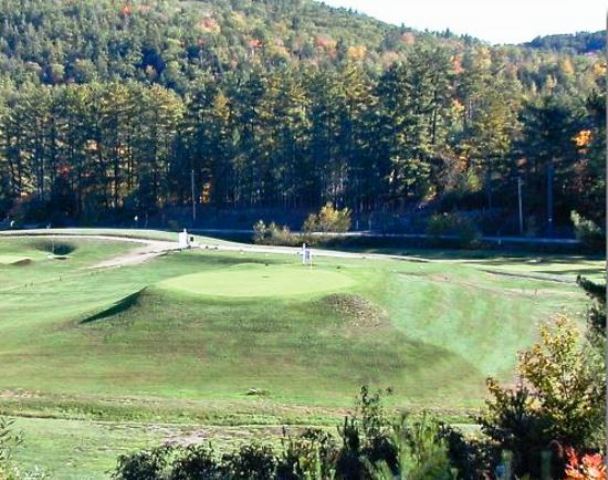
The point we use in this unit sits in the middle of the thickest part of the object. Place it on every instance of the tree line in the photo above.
(397, 122)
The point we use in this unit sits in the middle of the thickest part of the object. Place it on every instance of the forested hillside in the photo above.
(582, 42)
(107, 107)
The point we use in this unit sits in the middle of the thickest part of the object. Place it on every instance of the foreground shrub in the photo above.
(145, 465)
(559, 403)
(329, 219)
(366, 439)
(588, 232)
(596, 320)
(311, 455)
(373, 447)
(251, 462)
(8, 441)
(196, 462)
(422, 453)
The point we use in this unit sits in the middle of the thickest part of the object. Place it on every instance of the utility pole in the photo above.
(193, 197)
(520, 184)
(550, 175)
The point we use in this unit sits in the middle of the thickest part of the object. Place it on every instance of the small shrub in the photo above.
(260, 231)
(274, 234)
(311, 455)
(251, 462)
(9, 440)
(422, 452)
(588, 232)
(468, 456)
(196, 462)
(145, 465)
(512, 421)
(329, 219)
(453, 224)
(596, 316)
(366, 438)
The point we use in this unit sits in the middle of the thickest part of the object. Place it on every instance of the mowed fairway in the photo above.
(211, 344)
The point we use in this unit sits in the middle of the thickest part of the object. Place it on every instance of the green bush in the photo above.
(422, 453)
(311, 455)
(250, 462)
(560, 400)
(588, 232)
(8, 441)
(596, 314)
(197, 461)
(145, 465)
(328, 220)
(453, 224)
(274, 234)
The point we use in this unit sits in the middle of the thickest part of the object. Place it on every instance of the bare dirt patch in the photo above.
(359, 312)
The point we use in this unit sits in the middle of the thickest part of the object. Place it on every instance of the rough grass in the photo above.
(82, 346)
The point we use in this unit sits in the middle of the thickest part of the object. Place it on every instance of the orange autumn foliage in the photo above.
(587, 467)
(583, 138)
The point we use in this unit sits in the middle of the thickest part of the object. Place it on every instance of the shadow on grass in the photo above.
(121, 306)
(58, 248)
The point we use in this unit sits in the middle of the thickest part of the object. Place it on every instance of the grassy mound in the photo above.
(15, 260)
(255, 280)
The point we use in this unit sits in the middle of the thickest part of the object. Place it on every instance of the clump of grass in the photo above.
(257, 392)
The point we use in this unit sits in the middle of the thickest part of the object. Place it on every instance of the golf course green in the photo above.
(228, 344)
(255, 280)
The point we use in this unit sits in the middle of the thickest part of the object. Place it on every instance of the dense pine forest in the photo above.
(109, 109)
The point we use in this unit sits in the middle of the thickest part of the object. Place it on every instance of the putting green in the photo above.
(260, 281)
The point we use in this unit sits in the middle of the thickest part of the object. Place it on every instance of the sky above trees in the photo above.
(496, 21)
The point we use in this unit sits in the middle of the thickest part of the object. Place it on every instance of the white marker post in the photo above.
(184, 240)
(306, 255)
(309, 257)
